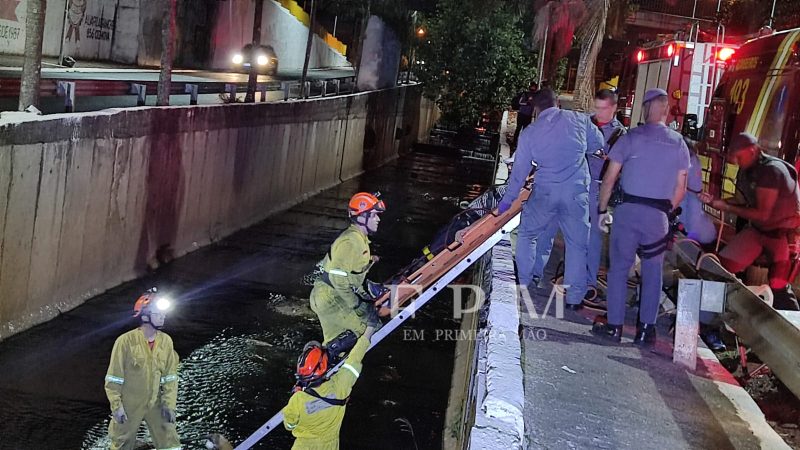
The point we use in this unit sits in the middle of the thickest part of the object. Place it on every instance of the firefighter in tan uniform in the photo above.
(342, 298)
(142, 379)
(316, 409)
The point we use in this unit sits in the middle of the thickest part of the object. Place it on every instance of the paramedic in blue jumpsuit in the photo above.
(654, 162)
(605, 111)
(558, 142)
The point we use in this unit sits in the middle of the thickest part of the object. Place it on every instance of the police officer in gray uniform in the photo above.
(654, 162)
(605, 106)
(558, 142)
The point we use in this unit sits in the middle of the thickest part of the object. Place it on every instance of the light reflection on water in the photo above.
(214, 382)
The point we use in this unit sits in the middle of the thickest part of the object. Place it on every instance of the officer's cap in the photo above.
(652, 94)
(509, 160)
(742, 141)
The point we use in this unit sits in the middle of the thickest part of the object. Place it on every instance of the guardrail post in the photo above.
(262, 88)
(285, 88)
(231, 90)
(306, 90)
(336, 83)
(694, 296)
(687, 323)
(324, 87)
(191, 89)
(66, 89)
(140, 90)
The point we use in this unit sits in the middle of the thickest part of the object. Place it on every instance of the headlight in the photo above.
(262, 60)
(238, 58)
(163, 304)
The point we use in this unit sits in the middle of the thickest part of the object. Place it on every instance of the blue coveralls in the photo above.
(697, 223)
(558, 141)
(595, 234)
(651, 155)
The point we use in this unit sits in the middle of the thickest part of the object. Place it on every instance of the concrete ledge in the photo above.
(499, 421)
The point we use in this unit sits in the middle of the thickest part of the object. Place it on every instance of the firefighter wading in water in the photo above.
(142, 379)
(342, 297)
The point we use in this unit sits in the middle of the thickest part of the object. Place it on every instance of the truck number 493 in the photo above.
(739, 93)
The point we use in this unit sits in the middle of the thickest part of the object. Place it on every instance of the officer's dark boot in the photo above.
(601, 328)
(645, 334)
(785, 299)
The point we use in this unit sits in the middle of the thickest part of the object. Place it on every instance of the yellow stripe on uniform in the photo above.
(756, 121)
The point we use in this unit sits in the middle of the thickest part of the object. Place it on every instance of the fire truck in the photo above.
(760, 94)
(688, 71)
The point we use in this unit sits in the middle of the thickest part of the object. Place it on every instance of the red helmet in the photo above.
(150, 301)
(312, 364)
(364, 202)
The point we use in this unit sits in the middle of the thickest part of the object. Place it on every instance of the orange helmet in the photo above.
(312, 364)
(364, 202)
(149, 301)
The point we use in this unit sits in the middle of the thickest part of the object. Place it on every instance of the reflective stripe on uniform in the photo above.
(290, 426)
(351, 369)
(171, 448)
(169, 378)
(341, 273)
(113, 379)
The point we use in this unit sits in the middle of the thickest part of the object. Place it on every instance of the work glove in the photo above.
(119, 415)
(504, 206)
(604, 221)
(168, 414)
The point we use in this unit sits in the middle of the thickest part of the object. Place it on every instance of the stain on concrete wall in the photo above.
(90, 200)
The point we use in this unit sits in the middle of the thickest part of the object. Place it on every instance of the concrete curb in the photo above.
(746, 407)
(498, 420)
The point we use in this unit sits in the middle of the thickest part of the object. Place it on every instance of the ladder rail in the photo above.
(425, 296)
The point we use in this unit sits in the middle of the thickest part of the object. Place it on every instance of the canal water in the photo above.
(241, 319)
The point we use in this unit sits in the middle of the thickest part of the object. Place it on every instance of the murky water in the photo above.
(241, 320)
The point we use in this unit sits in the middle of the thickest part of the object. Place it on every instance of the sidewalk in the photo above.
(580, 393)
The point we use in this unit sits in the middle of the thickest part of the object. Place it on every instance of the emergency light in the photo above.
(725, 53)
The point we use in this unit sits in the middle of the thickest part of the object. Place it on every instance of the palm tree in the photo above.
(590, 35)
(558, 22)
(553, 31)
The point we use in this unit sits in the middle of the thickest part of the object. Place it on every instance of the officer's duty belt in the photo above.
(660, 204)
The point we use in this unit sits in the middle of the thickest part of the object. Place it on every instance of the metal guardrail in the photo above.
(72, 89)
(773, 337)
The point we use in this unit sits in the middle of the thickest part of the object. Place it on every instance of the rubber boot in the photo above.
(645, 334)
(785, 299)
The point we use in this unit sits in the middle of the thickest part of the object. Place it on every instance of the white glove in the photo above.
(119, 415)
(604, 222)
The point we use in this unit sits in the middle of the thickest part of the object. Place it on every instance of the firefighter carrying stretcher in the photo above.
(769, 198)
(342, 297)
(316, 409)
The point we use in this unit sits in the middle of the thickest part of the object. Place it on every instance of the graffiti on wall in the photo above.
(12, 32)
(90, 28)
